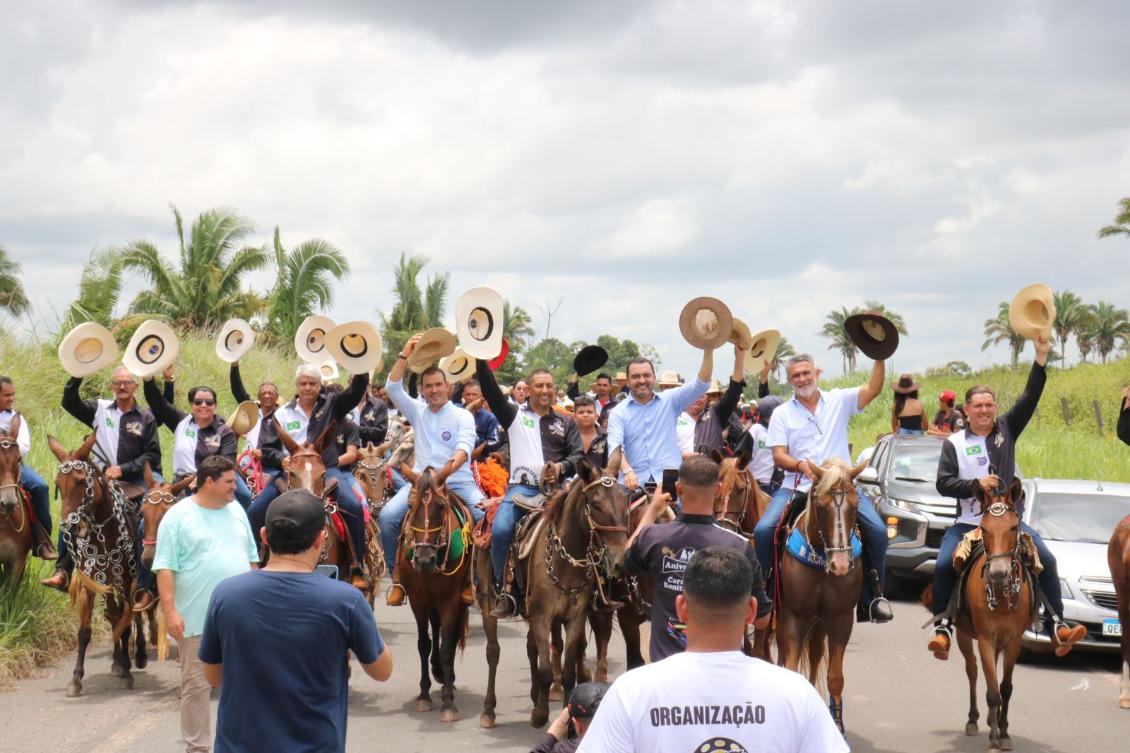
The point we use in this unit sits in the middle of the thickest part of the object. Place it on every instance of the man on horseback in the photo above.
(538, 437)
(712, 419)
(808, 429)
(31, 481)
(984, 453)
(371, 417)
(444, 440)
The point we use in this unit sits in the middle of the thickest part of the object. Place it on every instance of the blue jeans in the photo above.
(913, 432)
(242, 492)
(392, 514)
(945, 576)
(40, 497)
(502, 531)
(257, 512)
(398, 481)
(870, 525)
(350, 499)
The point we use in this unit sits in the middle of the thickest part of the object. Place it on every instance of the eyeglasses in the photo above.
(204, 401)
(122, 383)
(813, 421)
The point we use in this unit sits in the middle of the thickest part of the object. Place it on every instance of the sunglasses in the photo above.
(203, 401)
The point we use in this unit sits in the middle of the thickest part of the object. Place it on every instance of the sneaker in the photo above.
(1067, 636)
(940, 643)
(395, 595)
(504, 606)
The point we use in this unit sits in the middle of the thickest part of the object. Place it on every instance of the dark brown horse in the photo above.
(996, 607)
(16, 534)
(433, 576)
(98, 525)
(816, 607)
(1118, 557)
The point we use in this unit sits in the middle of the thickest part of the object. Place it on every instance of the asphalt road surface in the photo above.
(898, 698)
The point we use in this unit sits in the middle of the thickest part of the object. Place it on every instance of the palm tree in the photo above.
(517, 327)
(1121, 224)
(99, 289)
(878, 308)
(785, 351)
(13, 299)
(835, 330)
(306, 276)
(415, 310)
(998, 330)
(1111, 328)
(1070, 311)
(205, 290)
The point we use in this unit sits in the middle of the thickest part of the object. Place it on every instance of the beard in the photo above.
(807, 392)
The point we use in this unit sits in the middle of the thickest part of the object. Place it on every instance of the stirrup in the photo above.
(393, 601)
(504, 605)
(875, 610)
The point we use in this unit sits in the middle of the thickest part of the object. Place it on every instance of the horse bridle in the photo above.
(594, 550)
(157, 497)
(1012, 591)
(442, 542)
(735, 525)
(7, 443)
(93, 563)
(839, 499)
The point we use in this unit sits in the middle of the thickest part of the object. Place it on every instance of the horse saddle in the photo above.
(526, 533)
(801, 549)
(481, 533)
(530, 504)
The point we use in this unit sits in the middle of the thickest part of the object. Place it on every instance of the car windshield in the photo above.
(916, 462)
(1088, 518)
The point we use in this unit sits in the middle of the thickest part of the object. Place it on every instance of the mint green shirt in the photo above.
(202, 547)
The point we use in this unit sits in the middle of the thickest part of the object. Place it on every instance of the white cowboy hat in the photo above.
(436, 343)
(478, 322)
(328, 369)
(706, 322)
(459, 367)
(152, 349)
(235, 340)
(669, 379)
(310, 339)
(1032, 312)
(763, 346)
(244, 418)
(356, 346)
(740, 335)
(88, 348)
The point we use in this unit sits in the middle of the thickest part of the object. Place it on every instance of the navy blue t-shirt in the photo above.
(282, 638)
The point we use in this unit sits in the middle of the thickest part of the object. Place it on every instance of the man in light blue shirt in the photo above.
(809, 428)
(444, 438)
(643, 424)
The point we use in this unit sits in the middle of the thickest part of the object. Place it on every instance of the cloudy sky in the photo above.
(788, 157)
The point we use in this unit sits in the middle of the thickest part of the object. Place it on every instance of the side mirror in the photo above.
(869, 475)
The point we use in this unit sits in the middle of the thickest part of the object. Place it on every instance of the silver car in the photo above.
(1076, 520)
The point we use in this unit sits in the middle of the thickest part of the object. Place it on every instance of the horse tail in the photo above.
(813, 662)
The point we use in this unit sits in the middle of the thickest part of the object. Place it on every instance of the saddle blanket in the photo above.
(799, 548)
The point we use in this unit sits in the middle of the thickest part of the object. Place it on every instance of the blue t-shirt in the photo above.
(282, 638)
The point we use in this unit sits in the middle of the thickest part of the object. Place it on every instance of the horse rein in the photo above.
(839, 498)
(727, 492)
(1012, 589)
(594, 550)
(157, 497)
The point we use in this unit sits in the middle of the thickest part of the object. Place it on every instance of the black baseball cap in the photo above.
(585, 698)
(299, 511)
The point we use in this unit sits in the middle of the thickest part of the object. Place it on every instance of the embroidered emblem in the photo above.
(212, 442)
(133, 427)
(973, 449)
(446, 435)
(293, 425)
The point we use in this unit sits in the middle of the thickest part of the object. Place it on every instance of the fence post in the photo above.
(1098, 415)
(1066, 411)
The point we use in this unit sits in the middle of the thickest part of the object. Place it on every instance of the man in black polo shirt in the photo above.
(663, 551)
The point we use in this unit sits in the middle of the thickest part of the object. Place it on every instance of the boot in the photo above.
(44, 549)
(468, 594)
(395, 595)
(880, 610)
(142, 600)
(504, 605)
(1067, 636)
(358, 580)
(940, 643)
(59, 581)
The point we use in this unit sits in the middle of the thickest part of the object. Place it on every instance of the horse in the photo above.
(434, 576)
(98, 525)
(155, 502)
(997, 606)
(740, 503)
(817, 597)
(1118, 557)
(16, 534)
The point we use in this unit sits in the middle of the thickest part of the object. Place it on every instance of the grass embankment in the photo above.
(36, 624)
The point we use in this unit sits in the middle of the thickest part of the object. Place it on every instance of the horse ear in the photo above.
(181, 485)
(324, 437)
(584, 470)
(410, 475)
(817, 471)
(1016, 490)
(56, 448)
(859, 469)
(614, 459)
(82, 453)
(287, 440)
(14, 426)
(743, 459)
(716, 457)
(147, 474)
(980, 494)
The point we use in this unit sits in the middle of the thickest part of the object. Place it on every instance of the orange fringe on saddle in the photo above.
(492, 478)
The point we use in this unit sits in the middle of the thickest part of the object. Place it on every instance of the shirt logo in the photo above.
(676, 562)
(293, 425)
(133, 427)
(189, 433)
(973, 449)
(982, 460)
(528, 422)
(446, 435)
(761, 444)
(109, 422)
(212, 442)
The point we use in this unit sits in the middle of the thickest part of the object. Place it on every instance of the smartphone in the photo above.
(670, 476)
(330, 571)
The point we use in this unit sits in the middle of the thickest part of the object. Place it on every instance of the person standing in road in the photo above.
(203, 539)
(584, 700)
(287, 610)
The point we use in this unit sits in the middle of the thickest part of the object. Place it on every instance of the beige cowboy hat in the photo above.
(328, 369)
(244, 418)
(235, 340)
(1032, 312)
(706, 322)
(478, 322)
(459, 367)
(310, 339)
(436, 343)
(715, 388)
(87, 349)
(669, 379)
(740, 335)
(763, 346)
(355, 346)
(152, 349)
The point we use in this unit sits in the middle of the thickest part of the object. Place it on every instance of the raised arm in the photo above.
(763, 382)
(503, 409)
(573, 389)
(874, 386)
(237, 389)
(729, 402)
(344, 401)
(1025, 406)
(166, 414)
(83, 410)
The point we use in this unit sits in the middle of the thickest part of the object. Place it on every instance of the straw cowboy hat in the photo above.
(706, 322)
(244, 418)
(589, 359)
(905, 385)
(1032, 312)
(715, 388)
(436, 343)
(235, 340)
(459, 367)
(740, 335)
(478, 322)
(328, 369)
(310, 339)
(355, 346)
(87, 349)
(874, 334)
(762, 348)
(669, 379)
(152, 349)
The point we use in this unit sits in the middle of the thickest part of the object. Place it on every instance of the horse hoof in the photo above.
(125, 682)
(449, 715)
(141, 660)
(971, 729)
(423, 706)
(1006, 743)
(538, 719)
(117, 670)
(486, 721)
(556, 693)
(74, 689)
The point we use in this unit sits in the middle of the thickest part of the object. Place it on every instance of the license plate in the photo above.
(1111, 626)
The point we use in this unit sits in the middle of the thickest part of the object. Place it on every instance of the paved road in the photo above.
(898, 698)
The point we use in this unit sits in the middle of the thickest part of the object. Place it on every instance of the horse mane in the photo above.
(836, 471)
(728, 473)
(556, 500)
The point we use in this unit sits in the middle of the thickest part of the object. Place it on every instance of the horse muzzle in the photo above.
(8, 502)
(424, 559)
(840, 564)
(148, 552)
(999, 571)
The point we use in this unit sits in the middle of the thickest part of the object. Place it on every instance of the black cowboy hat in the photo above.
(589, 359)
(874, 334)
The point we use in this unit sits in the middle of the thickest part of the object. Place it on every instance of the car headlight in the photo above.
(1066, 589)
(902, 504)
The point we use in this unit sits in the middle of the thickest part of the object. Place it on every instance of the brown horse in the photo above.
(16, 534)
(98, 525)
(372, 476)
(740, 503)
(997, 605)
(1118, 557)
(434, 579)
(816, 605)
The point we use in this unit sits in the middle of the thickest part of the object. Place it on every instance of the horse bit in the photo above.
(1012, 586)
(594, 551)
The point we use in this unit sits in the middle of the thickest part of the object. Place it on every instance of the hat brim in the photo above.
(875, 348)
(236, 339)
(152, 349)
(479, 322)
(724, 323)
(245, 417)
(906, 390)
(1032, 312)
(740, 335)
(762, 349)
(458, 367)
(355, 346)
(87, 349)
(589, 359)
(310, 339)
(436, 343)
